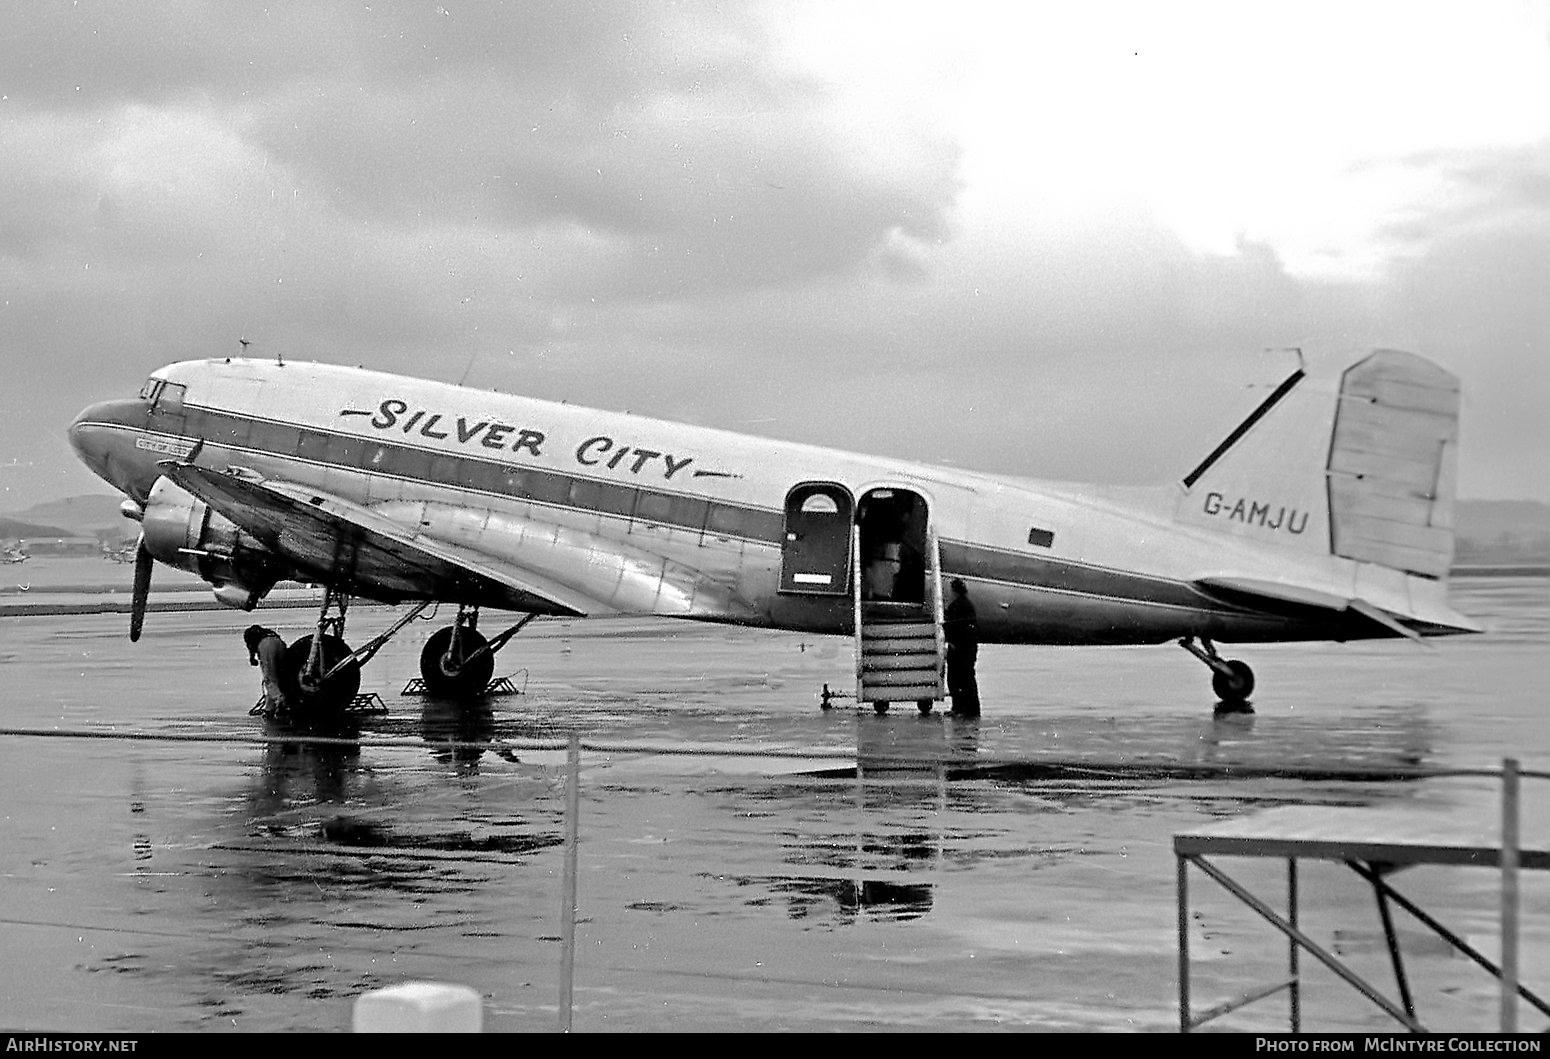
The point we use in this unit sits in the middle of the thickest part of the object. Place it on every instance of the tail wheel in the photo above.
(307, 694)
(447, 677)
(1236, 686)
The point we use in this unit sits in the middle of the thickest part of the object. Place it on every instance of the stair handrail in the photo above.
(938, 615)
(855, 599)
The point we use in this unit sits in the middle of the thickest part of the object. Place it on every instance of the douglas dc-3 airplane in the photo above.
(1326, 515)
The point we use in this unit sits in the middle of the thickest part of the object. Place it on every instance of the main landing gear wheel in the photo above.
(454, 678)
(879, 708)
(924, 706)
(311, 696)
(1234, 687)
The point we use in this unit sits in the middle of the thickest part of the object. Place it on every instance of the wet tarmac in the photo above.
(1014, 873)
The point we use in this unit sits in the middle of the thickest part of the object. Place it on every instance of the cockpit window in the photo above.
(148, 391)
(170, 399)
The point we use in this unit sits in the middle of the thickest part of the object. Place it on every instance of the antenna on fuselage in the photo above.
(468, 368)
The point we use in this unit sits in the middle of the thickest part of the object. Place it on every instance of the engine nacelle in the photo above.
(182, 531)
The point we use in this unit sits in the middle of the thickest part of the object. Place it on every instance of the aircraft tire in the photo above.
(1234, 688)
(879, 708)
(924, 706)
(308, 702)
(466, 682)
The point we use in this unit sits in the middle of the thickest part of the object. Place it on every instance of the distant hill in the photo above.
(1497, 531)
(15, 528)
(94, 515)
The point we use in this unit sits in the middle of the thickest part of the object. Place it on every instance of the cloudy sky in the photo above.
(1065, 240)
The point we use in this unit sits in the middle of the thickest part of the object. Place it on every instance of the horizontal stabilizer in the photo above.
(1274, 596)
(1275, 590)
(1372, 613)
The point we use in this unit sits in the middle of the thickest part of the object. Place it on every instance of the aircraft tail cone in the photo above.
(142, 588)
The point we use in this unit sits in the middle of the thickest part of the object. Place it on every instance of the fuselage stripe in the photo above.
(569, 492)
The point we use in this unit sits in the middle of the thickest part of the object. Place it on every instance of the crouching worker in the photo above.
(266, 650)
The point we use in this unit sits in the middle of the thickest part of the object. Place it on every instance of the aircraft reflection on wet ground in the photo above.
(1014, 872)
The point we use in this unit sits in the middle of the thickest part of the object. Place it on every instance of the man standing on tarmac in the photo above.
(962, 635)
(266, 650)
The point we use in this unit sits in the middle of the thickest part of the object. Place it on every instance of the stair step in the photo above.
(919, 658)
(891, 677)
(906, 693)
(872, 620)
(885, 606)
(899, 632)
(892, 663)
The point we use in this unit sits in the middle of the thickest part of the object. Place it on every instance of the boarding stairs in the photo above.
(899, 645)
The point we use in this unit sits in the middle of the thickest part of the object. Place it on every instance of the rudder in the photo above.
(1393, 464)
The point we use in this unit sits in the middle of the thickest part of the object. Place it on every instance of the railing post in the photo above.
(1181, 874)
(1509, 862)
(568, 909)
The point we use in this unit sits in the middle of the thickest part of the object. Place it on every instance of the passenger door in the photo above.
(815, 552)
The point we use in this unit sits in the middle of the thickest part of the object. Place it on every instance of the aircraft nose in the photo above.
(86, 433)
(97, 431)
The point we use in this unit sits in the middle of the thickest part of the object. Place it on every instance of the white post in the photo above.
(1510, 895)
(568, 909)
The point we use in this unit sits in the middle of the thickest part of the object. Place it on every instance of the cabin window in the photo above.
(444, 471)
(689, 512)
(343, 451)
(1041, 538)
(313, 446)
(225, 429)
(763, 525)
(413, 464)
(820, 504)
(653, 507)
(197, 424)
(585, 495)
(617, 500)
(513, 483)
(272, 437)
(486, 477)
(549, 488)
(726, 519)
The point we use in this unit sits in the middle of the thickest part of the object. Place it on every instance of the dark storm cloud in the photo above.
(59, 56)
(400, 184)
(672, 138)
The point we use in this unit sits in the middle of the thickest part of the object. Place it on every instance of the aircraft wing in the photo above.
(362, 551)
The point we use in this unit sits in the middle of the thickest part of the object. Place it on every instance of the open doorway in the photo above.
(893, 546)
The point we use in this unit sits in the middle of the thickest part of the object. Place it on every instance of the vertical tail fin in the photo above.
(1366, 473)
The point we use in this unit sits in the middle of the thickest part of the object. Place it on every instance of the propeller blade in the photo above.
(143, 563)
